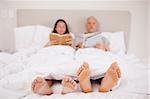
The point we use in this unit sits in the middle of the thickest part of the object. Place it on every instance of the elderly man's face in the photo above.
(91, 25)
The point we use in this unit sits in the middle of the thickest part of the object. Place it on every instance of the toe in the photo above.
(114, 76)
(70, 79)
(65, 80)
(33, 85)
(39, 79)
(114, 64)
(35, 82)
(119, 73)
(79, 71)
(85, 65)
(73, 83)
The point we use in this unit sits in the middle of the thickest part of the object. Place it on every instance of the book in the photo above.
(91, 40)
(60, 38)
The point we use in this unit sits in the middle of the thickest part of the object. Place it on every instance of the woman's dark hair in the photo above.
(61, 20)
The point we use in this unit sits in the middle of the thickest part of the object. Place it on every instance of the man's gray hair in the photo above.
(92, 17)
(97, 23)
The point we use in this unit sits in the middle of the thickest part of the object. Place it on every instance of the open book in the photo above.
(60, 38)
(93, 39)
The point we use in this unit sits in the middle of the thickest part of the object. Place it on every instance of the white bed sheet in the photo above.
(133, 85)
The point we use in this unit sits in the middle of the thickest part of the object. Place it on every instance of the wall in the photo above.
(148, 32)
(7, 23)
(138, 10)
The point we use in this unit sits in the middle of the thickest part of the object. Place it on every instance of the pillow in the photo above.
(24, 36)
(31, 36)
(41, 36)
(117, 42)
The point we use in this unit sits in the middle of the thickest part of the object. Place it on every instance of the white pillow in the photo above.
(41, 36)
(117, 42)
(31, 36)
(24, 36)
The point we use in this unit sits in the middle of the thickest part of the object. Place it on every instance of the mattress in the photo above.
(134, 81)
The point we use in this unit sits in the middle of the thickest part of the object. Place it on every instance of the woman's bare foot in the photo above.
(41, 86)
(69, 85)
(111, 78)
(84, 78)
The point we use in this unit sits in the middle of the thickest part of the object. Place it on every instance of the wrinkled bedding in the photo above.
(58, 60)
(18, 70)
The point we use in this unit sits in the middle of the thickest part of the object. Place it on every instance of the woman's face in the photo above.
(61, 27)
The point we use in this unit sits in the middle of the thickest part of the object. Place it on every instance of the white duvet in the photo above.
(58, 61)
(55, 62)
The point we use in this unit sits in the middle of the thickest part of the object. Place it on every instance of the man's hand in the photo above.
(80, 45)
(100, 46)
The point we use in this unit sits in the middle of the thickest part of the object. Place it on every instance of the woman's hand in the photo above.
(53, 42)
(69, 41)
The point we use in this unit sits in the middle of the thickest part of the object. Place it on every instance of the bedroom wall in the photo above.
(137, 8)
(7, 23)
(148, 32)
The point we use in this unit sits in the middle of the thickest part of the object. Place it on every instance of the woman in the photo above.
(42, 86)
(61, 28)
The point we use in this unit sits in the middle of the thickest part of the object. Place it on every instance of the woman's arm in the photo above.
(70, 41)
(52, 42)
(47, 44)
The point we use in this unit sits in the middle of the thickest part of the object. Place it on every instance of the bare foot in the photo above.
(84, 78)
(41, 86)
(69, 85)
(111, 78)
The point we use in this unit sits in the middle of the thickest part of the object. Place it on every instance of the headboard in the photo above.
(110, 21)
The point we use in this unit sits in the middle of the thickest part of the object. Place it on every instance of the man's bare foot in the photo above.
(69, 85)
(41, 86)
(84, 78)
(111, 78)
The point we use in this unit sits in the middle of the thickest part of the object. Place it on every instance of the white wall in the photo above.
(138, 9)
(148, 32)
(7, 22)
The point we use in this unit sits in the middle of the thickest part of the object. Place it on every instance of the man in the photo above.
(91, 30)
(112, 75)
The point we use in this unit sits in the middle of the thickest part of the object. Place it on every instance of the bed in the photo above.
(134, 81)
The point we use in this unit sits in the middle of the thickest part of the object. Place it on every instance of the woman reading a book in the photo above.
(60, 34)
